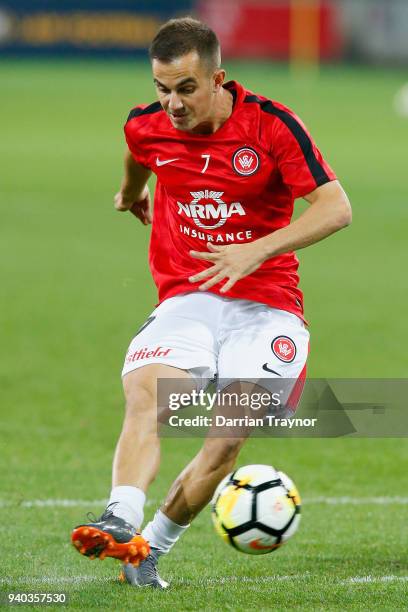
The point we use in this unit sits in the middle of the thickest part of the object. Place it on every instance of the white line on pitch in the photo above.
(55, 580)
(78, 503)
(240, 579)
(373, 579)
(67, 580)
(179, 582)
(63, 503)
(356, 501)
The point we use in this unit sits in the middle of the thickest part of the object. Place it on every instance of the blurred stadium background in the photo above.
(75, 287)
(368, 30)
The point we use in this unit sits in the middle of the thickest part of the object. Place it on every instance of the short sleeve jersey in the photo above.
(232, 186)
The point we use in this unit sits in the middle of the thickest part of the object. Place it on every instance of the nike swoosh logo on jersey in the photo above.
(265, 367)
(163, 162)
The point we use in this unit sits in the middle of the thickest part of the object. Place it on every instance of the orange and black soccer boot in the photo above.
(110, 536)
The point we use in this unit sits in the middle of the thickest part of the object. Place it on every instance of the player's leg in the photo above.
(194, 487)
(176, 338)
(136, 463)
(137, 454)
(188, 495)
(263, 344)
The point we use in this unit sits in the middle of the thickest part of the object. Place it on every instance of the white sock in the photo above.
(162, 533)
(129, 502)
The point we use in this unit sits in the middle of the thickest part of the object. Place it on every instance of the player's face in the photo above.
(186, 89)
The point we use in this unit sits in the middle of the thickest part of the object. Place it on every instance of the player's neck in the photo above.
(223, 105)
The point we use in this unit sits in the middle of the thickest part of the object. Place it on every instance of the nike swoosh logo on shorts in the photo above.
(265, 367)
(163, 162)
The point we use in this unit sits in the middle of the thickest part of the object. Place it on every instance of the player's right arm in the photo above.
(134, 192)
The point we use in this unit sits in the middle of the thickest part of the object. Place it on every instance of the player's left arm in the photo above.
(329, 212)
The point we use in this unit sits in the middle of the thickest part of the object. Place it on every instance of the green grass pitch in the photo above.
(75, 287)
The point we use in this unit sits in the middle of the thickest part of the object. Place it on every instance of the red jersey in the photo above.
(233, 186)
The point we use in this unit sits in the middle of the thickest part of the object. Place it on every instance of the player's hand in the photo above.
(233, 262)
(142, 208)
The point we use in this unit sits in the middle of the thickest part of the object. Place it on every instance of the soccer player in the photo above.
(229, 165)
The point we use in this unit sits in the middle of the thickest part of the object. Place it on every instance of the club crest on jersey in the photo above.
(245, 161)
(207, 207)
(284, 348)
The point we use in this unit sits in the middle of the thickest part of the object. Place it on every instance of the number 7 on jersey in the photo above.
(205, 156)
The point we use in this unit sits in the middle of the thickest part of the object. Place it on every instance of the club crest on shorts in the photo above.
(284, 348)
(245, 161)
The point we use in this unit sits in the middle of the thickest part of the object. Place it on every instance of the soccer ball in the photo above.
(256, 509)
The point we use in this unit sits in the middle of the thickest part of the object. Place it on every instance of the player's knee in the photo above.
(140, 394)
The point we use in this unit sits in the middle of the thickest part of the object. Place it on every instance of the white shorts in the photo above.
(223, 338)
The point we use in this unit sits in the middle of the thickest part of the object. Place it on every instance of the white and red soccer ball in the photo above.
(256, 509)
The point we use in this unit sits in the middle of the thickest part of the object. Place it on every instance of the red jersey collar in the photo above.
(238, 93)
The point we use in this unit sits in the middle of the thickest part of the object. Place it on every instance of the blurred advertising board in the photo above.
(276, 29)
(377, 30)
(97, 27)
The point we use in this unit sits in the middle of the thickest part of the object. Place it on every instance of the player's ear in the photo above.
(219, 78)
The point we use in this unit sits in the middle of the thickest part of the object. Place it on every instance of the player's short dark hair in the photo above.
(177, 37)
